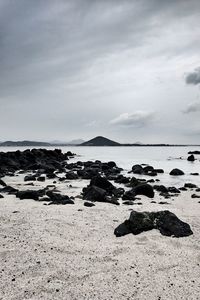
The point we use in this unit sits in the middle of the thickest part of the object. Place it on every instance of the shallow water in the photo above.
(166, 158)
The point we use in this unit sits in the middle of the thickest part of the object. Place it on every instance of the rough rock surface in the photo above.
(165, 221)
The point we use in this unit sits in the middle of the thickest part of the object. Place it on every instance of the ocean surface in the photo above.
(166, 158)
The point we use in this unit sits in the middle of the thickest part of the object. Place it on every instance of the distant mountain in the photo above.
(100, 141)
(24, 143)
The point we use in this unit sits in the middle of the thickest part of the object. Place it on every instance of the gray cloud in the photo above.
(136, 119)
(64, 64)
(192, 108)
(193, 77)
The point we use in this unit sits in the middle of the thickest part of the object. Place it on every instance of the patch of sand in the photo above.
(70, 252)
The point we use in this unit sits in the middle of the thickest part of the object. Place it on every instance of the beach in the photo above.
(71, 252)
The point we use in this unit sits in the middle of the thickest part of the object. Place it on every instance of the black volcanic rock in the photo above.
(57, 198)
(144, 189)
(102, 183)
(47, 161)
(94, 193)
(176, 172)
(191, 158)
(30, 194)
(88, 204)
(166, 222)
(100, 141)
(2, 183)
(194, 152)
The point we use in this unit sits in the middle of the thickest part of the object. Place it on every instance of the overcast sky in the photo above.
(125, 69)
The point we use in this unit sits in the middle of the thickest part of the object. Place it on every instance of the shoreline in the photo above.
(70, 251)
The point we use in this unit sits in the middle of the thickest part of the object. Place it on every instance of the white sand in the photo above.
(58, 252)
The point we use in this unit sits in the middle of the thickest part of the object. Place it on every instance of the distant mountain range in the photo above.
(24, 144)
(97, 141)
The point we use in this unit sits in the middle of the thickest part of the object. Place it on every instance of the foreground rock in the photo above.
(165, 221)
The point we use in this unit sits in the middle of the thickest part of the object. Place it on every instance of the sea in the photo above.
(166, 158)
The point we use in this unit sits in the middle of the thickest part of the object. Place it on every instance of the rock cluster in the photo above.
(165, 221)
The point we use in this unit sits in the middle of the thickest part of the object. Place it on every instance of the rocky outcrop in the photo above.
(165, 221)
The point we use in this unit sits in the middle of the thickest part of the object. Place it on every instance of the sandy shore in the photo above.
(70, 252)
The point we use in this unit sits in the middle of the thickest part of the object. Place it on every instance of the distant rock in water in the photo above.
(176, 172)
(165, 221)
(100, 141)
(194, 152)
(191, 158)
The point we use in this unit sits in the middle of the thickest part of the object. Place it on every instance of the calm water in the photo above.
(166, 158)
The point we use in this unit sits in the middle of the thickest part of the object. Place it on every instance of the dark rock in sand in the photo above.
(57, 198)
(166, 222)
(1, 196)
(94, 193)
(190, 185)
(173, 189)
(195, 196)
(102, 183)
(2, 183)
(41, 178)
(191, 158)
(9, 189)
(97, 194)
(160, 188)
(30, 178)
(194, 174)
(88, 204)
(176, 172)
(129, 195)
(30, 194)
(128, 202)
(144, 189)
(71, 176)
(183, 188)
(160, 171)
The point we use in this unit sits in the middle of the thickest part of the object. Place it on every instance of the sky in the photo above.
(125, 69)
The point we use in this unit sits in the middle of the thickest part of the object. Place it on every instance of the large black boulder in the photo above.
(165, 221)
(170, 225)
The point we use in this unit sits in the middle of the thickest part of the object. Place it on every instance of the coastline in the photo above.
(70, 251)
(62, 252)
